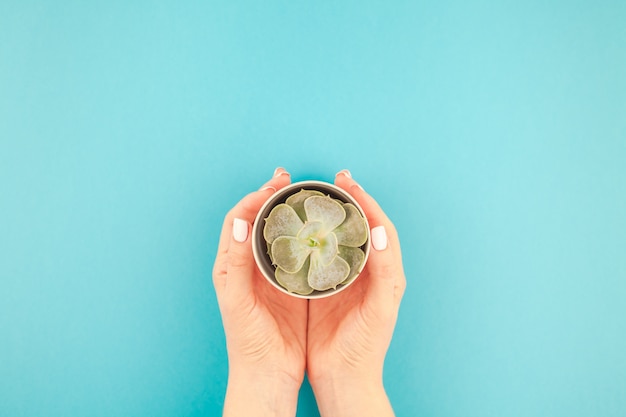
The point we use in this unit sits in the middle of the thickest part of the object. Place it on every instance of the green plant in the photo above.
(314, 242)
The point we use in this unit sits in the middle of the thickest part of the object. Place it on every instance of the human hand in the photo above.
(349, 333)
(265, 329)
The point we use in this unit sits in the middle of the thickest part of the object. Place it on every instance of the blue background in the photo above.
(493, 134)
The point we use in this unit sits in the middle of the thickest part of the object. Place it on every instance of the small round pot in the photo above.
(259, 245)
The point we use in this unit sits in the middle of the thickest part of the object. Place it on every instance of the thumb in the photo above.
(235, 270)
(386, 281)
(384, 268)
(240, 260)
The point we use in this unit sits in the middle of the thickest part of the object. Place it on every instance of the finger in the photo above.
(384, 265)
(234, 246)
(280, 179)
(374, 213)
(241, 264)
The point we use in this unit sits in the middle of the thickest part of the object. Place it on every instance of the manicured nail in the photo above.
(268, 187)
(345, 172)
(240, 230)
(279, 171)
(379, 238)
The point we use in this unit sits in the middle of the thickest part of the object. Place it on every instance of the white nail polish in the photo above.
(240, 230)
(379, 238)
(279, 171)
(345, 172)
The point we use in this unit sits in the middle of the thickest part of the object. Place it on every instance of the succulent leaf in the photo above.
(353, 231)
(327, 249)
(324, 277)
(311, 235)
(289, 254)
(296, 283)
(282, 221)
(354, 257)
(325, 210)
(310, 230)
(297, 201)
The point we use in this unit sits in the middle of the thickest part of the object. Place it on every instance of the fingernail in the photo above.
(240, 230)
(345, 172)
(279, 171)
(379, 238)
(268, 187)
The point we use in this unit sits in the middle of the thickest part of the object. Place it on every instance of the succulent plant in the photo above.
(314, 242)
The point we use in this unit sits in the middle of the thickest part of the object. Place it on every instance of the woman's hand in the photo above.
(349, 333)
(265, 329)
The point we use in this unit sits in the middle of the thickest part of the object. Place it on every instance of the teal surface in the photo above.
(493, 134)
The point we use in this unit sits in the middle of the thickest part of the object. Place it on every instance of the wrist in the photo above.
(351, 396)
(257, 394)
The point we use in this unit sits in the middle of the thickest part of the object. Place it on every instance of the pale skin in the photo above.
(273, 339)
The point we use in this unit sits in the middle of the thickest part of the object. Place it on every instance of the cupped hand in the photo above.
(349, 333)
(265, 329)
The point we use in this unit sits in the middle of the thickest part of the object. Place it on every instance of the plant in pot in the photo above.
(311, 239)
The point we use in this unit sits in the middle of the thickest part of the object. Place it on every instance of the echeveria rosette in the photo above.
(314, 241)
